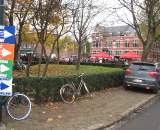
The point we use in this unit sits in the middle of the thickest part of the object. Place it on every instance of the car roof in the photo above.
(144, 63)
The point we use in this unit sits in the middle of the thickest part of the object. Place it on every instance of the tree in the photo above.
(83, 12)
(67, 43)
(149, 16)
(63, 26)
(28, 36)
(44, 12)
(21, 12)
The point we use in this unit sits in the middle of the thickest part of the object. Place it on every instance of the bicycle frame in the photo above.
(80, 85)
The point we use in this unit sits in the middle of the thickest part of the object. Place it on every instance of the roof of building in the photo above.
(116, 30)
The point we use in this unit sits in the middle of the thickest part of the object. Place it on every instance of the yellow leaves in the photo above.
(59, 117)
(49, 120)
(55, 20)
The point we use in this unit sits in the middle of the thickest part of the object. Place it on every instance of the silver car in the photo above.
(144, 75)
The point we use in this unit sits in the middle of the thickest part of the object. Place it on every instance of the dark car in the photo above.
(144, 75)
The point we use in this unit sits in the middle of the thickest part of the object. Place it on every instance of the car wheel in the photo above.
(125, 86)
(155, 90)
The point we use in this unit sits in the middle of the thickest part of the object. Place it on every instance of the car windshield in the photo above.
(142, 66)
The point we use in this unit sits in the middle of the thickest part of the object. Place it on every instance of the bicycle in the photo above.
(69, 92)
(18, 106)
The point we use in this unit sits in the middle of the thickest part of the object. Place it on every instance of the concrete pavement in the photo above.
(103, 109)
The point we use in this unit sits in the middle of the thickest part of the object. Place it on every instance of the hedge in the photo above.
(47, 89)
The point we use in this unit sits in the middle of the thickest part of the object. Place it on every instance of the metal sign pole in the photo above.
(1, 12)
(2, 126)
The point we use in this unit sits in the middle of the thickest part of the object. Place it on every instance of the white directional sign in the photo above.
(3, 68)
(7, 34)
(7, 45)
(6, 87)
(5, 52)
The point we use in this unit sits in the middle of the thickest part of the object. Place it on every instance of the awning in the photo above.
(103, 55)
(130, 55)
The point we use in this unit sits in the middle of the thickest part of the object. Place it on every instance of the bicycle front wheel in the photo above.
(67, 93)
(19, 106)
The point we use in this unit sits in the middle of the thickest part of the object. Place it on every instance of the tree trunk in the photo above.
(148, 46)
(79, 56)
(30, 61)
(58, 51)
(18, 45)
(48, 60)
(39, 63)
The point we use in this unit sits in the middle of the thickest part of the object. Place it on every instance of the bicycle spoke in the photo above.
(19, 107)
(67, 94)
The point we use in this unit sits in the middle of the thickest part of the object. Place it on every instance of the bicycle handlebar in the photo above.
(81, 74)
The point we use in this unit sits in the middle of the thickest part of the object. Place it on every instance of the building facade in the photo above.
(115, 40)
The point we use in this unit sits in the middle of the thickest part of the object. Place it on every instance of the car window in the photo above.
(143, 67)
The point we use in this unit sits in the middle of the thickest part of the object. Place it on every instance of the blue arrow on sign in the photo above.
(9, 34)
(3, 86)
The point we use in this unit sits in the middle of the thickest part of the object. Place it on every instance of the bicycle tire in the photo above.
(18, 106)
(67, 93)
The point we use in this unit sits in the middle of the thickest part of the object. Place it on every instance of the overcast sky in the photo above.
(107, 18)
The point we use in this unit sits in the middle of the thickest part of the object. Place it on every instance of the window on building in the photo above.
(117, 44)
(97, 34)
(110, 52)
(118, 53)
(135, 43)
(110, 44)
(121, 33)
(97, 44)
(126, 44)
(137, 52)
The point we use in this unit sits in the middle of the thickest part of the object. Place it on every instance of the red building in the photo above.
(116, 40)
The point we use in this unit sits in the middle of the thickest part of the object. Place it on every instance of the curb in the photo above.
(125, 114)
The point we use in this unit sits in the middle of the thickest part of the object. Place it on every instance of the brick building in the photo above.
(116, 40)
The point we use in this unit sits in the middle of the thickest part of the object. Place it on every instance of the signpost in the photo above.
(1, 11)
(7, 45)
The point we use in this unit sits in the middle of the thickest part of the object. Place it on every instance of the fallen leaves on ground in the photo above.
(49, 120)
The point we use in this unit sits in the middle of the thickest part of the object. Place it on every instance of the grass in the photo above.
(59, 70)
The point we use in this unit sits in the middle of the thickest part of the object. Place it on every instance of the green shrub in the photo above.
(47, 89)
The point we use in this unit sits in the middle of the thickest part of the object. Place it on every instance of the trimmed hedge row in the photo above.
(47, 89)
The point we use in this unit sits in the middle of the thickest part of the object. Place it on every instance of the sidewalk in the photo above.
(103, 109)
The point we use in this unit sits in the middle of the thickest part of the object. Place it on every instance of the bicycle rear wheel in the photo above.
(19, 106)
(67, 93)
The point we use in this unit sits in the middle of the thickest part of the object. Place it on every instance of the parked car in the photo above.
(143, 75)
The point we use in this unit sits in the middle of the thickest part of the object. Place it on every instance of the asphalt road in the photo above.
(147, 119)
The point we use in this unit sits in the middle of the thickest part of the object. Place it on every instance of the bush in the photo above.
(47, 89)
